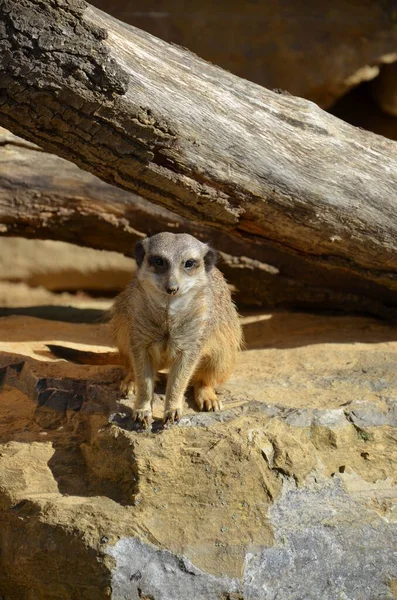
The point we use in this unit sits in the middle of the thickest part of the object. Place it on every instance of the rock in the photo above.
(290, 492)
(24, 470)
(59, 266)
(144, 571)
(365, 414)
(326, 546)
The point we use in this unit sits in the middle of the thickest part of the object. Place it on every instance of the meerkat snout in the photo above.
(172, 290)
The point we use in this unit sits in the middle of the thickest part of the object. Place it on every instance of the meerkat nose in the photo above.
(172, 290)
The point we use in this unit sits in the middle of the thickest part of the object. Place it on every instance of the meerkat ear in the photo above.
(210, 259)
(139, 253)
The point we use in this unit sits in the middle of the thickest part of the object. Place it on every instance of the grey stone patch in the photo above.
(333, 419)
(392, 409)
(123, 418)
(206, 419)
(367, 414)
(378, 385)
(270, 410)
(144, 571)
(307, 417)
(301, 417)
(327, 546)
(361, 413)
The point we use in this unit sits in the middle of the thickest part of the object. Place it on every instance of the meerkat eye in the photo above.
(158, 261)
(189, 264)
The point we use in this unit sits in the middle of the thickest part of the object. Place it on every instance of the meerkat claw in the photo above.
(143, 417)
(212, 405)
(207, 400)
(172, 416)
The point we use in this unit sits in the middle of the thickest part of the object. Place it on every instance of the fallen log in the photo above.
(315, 197)
(318, 52)
(44, 196)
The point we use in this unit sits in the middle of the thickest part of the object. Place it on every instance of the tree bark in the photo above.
(308, 194)
(44, 196)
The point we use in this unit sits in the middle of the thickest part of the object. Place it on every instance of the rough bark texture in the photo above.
(44, 196)
(313, 194)
(312, 49)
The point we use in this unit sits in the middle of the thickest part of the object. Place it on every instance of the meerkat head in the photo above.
(173, 263)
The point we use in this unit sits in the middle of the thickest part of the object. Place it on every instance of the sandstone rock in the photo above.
(24, 470)
(59, 266)
(326, 546)
(289, 492)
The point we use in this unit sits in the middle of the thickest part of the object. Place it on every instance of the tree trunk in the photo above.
(44, 196)
(310, 195)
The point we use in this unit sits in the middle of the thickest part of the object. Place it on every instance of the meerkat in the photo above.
(176, 315)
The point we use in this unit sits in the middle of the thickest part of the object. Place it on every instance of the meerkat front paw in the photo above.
(172, 416)
(127, 386)
(143, 417)
(206, 399)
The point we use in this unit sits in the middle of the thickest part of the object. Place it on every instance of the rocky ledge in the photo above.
(289, 496)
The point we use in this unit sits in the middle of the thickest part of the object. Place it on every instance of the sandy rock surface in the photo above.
(289, 492)
(53, 265)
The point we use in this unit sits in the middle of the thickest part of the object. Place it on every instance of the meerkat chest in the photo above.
(185, 318)
(179, 328)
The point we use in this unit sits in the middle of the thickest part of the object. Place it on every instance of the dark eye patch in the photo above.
(158, 262)
(189, 264)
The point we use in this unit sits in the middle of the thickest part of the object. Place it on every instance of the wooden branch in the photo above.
(44, 196)
(314, 195)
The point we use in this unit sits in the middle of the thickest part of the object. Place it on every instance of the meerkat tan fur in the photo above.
(177, 315)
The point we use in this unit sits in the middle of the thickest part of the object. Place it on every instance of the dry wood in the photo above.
(44, 196)
(314, 196)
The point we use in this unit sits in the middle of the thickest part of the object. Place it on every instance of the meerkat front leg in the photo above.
(144, 382)
(178, 380)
